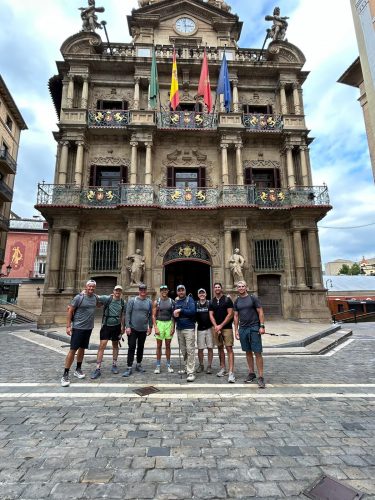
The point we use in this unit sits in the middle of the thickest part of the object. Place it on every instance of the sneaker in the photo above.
(79, 374)
(170, 369)
(127, 372)
(182, 371)
(200, 369)
(65, 382)
(231, 378)
(114, 369)
(157, 369)
(250, 378)
(139, 368)
(96, 374)
(221, 373)
(261, 383)
(209, 370)
(190, 377)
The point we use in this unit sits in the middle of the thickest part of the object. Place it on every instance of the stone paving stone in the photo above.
(158, 452)
(334, 471)
(209, 490)
(240, 490)
(308, 473)
(105, 491)
(174, 491)
(144, 490)
(184, 451)
(68, 490)
(38, 475)
(291, 488)
(10, 475)
(267, 489)
(190, 476)
(143, 463)
(277, 475)
(36, 491)
(198, 462)
(168, 463)
(159, 476)
(353, 460)
(128, 475)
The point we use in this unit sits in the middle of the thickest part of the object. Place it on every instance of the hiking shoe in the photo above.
(127, 372)
(157, 369)
(190, 377)
(170, 369)
(209, 370)
(79, 373)
(231, 378)
(200, 369)
(261, 383)
(221, 373)
(114, 369)
(96, 374)
(250, 378)
(139, 368)
(65, 382)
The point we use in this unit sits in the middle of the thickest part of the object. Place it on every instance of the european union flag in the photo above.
(223, 85)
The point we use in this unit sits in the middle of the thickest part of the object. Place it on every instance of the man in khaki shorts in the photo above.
(204, 332)
(221, 315)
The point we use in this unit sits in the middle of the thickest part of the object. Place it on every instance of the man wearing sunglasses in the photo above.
(163, 322)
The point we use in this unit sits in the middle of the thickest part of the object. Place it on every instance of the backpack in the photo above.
(106, 310)
(82, 295)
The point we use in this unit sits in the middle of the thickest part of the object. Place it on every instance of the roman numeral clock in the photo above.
(186, 26)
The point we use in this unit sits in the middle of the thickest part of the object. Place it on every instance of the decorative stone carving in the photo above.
(107, 94)
(110, 161)
(236, 264)
(89, 17)
(279, 27)
(136, 268)
(261, 164)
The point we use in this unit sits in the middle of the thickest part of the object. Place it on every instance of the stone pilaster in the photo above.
(299, 262)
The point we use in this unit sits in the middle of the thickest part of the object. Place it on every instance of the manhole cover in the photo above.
(327, 488)
(145, 391)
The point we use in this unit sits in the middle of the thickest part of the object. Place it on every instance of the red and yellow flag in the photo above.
(174, 96)
(204, 87)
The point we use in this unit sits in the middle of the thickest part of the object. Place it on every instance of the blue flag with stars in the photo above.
(223, 85)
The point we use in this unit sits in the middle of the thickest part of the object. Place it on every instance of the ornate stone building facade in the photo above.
(185, 187)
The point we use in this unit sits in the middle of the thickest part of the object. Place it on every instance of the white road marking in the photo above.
(185, 385)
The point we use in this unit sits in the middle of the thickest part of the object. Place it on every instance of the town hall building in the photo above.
(183, 187)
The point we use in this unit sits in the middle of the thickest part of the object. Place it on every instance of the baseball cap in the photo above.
(91, 282)
(181, 287)
(163, 287)
(202, 290)
(142, 286)
(118, 287)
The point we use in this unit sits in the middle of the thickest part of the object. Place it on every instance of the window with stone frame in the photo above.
(108, 176)
(186, 177)
(263, 174)
(249, 109)
(269, 255)
(108, 105)
(105, 255)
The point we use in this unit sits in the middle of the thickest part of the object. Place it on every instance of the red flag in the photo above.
(204, 87)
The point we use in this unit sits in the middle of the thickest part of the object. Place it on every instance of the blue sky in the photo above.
(33, 32)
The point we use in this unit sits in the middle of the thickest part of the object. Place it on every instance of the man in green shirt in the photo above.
(113, 326)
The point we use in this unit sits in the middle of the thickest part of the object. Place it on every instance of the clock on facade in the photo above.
(185, 25)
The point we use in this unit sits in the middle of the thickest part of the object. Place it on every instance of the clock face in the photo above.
(185, 25)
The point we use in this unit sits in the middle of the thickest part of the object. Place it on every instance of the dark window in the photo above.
(263, 177)
(9, 122)
(189, 177)
(269, 255)
(248, 109)
(340, 308)
(111, 105)
(105, 255)
(108, 176)
(186, 106)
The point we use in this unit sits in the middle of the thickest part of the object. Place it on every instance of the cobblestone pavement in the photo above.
(204, 440)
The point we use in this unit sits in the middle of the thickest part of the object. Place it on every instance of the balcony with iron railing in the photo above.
(7, 162)
(4, 223)
(182, 120)
(6, 193)
(255, 122)
(140, 195)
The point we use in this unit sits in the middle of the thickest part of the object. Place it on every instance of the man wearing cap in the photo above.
(138, 322)
(184, 314)
(204, 332)
(79, 325)
(163, 321)
(113, 326)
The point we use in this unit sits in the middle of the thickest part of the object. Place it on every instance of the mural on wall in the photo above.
(17, 255)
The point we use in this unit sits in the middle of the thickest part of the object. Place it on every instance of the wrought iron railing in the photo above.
(256, 122)
(4, 221)
(11, 162)
(108, 118)
(148, 195)
(186, 120)
(6, 191)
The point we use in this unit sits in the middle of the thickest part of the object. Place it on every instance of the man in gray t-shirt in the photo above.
(249, 328)
(80, 322)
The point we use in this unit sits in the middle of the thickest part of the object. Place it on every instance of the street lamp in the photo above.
(8, 268)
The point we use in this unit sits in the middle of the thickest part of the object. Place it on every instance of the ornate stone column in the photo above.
(284, 106)
(239, 170)
(290, 166)
(296, 99)
(63, 166)
(227, 254)
(314, 250)
(134, 162)
(70, 93)
(131, 241)
(71, 261)
(147, 240)
(235, 96)
(304, 169)
(64, 93)
(299, 259)
(244, 249)
(79, 163)
(85, 92)
(136, 92)
(148, 168)
(224, 164)
(54, 264)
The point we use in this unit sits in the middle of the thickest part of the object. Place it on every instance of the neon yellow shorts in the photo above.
(165, 328)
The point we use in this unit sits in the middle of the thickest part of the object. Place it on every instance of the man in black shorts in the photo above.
(113, 326)
(249, 328)
(79, 325)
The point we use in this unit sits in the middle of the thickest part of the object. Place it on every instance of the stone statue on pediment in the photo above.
(220, 4)
(89, 17)
(279, 27)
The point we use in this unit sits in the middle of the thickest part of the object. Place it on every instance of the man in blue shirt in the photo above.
(184, 314)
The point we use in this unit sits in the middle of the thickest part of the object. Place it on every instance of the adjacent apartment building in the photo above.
(183, 188)
(11, 125)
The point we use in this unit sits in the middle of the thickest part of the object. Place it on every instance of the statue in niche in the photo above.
(136, 267)
(279, 27)
(89, 17)
(236, 263)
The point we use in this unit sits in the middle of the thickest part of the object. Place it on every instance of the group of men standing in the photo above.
(216, 321)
